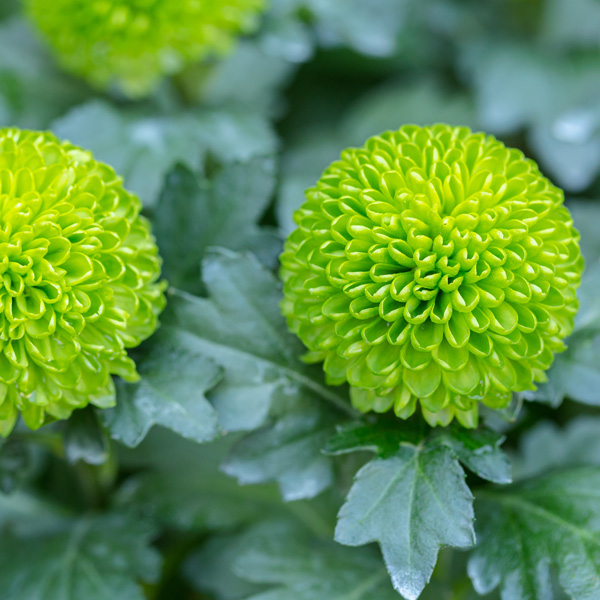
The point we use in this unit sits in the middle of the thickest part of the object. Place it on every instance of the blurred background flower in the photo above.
(133, 44)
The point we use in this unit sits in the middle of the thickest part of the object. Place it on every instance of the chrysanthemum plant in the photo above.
(427, 289)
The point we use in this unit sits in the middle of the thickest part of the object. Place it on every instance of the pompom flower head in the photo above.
(79, 269)
(433, 266)
(133, 43)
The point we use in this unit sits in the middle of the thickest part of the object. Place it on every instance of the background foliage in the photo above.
(132, 502)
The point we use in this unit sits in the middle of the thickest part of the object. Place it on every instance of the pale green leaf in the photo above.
(371, 29)
(575, 373)
(142, 147)
(573, 24)
(171, 393)
(288, 451)
(241, 328)
(194, 213)
(412, 504)
(423, 102)
(257, 66)
(527, 529)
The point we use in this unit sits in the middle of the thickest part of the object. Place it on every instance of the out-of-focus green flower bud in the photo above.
(133, 43)
(432, 266)
(79, 271)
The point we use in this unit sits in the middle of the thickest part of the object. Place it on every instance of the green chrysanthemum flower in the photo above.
(133, 43)
(79, 269)
(433, 265)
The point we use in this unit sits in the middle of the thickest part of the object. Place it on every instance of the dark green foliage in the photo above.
(530, 527)
(231, 470)
(98, 558)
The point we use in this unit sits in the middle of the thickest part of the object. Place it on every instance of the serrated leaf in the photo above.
(295, 565)
(412, 504)
(383, 436)
(573, 163)
(287, 451)
(479, 450)
(241, 328)
(95, 557)
(26, 514)
(588, 317)
(171, 393)
(526, 529)
(143, 147)
(189, 501)
(503, 93)
(194, 213)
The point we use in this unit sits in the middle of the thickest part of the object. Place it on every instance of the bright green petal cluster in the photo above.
(432, 266)
(79, 271)
(133, 43)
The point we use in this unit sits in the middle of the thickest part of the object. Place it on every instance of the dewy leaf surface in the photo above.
(526, 529)
(412, 504)
(96, 557)
(194, 213)
(174, 379)
(241, 328)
